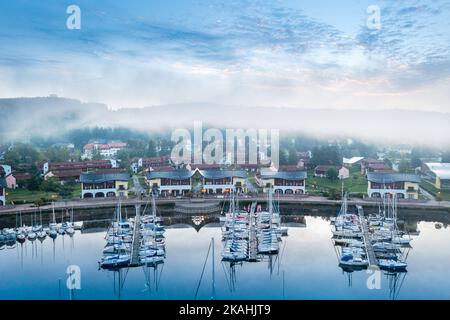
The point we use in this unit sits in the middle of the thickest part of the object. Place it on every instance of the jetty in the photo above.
(367, 238)
(252, 241)
(134, 261)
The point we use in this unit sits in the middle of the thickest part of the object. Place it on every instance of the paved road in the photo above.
(137, 187)
(111, 202)
(426, 194)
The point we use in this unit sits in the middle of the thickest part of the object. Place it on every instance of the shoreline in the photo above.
(307, 200)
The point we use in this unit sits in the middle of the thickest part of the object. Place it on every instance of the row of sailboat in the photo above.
(252, 232)
(372, 240)
(22, 232)
(134, 241)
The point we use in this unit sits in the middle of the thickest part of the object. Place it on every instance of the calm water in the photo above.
(306, 268)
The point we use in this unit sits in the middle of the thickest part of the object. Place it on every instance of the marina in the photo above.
(370, 241)
(304, 267)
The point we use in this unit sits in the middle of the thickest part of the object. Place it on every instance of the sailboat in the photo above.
(53, 226)
(31, 234)
(69, 225)
(21, 231)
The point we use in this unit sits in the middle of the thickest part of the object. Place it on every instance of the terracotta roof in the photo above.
(324, 168)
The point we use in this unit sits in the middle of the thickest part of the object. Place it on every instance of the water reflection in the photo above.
(304, 268)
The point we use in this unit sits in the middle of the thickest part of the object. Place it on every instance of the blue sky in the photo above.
(310, 54)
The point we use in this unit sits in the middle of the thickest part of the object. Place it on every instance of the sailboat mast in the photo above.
(213, 291)
(153, 207)
(270, 201)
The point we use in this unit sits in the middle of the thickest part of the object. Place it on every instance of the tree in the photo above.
(404, 166)
(415, 161)
(292, 158)
(332, 174)
(151, 149)
(446, 157)
(96, 154)
(326, 155)
(57, 154)
(22, 153)
(34, 183)
(50, 185)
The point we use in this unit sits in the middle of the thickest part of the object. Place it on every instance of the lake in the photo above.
(305, 268)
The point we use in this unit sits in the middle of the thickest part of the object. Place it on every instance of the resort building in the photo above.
(71, 170)
(6, 172)
(138, 164)
(224, 181)
(373, 165)
(321, 170)
(343, 173)
(180, 181)
(438, 174)
(349, 162)
(2, 191)
(284, 182)
(405, 186)
(169, 182)
(101, 185)
(106, 150)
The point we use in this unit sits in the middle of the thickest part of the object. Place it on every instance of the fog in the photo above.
(24, 118)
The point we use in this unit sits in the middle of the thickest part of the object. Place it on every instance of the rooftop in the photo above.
(286, 175)
(182, 174)
(352, 160)
(3, 183)
(103, 177)
(442, 170)
(388, 177)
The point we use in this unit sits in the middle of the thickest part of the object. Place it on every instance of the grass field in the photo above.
(20, 196)
(432, 189)
(356, 183)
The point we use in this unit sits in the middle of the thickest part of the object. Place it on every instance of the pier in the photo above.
(136, 238)
(367, 238)
(252, 241)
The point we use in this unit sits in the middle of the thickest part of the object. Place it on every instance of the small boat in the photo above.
(351, 261)
(392, 265)
(151, 260)
(115, 261)
(41, 235)
(401, 241)
(52, 233)
(21, 237)
(32, 236)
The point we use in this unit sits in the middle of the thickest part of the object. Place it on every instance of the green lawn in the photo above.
(432, 189)
(20, 196)
(356, 183)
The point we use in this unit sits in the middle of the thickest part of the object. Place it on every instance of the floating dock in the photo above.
(136, 239)
(367, 238)
(252, 241)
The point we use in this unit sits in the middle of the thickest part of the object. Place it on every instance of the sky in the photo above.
(301, 54)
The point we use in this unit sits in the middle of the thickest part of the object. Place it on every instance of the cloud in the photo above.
(239, 52)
